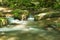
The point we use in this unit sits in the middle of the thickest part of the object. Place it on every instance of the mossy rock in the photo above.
(18, 13)
(3, 21)
(43, 16)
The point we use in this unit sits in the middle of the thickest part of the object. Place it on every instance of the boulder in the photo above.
(3, 22)
(47, 15)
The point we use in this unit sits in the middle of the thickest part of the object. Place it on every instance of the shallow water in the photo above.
(29, 31)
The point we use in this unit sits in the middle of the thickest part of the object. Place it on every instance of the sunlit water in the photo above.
(21, 24)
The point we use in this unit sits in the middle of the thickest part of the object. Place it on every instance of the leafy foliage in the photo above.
(30, 3)
(18, 13)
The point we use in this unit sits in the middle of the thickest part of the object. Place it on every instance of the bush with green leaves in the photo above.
(18, 13)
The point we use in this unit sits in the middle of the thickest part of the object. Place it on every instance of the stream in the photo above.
(22, 31)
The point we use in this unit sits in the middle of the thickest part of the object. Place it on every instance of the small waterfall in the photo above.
(30, 18)
(10, 19)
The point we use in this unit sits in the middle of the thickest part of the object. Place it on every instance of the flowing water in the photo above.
(30, 18)
(27, 30)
